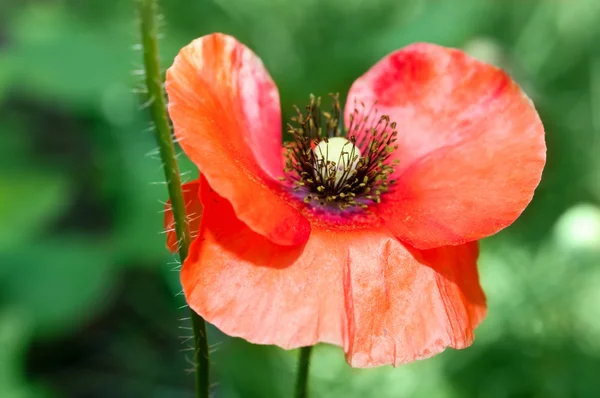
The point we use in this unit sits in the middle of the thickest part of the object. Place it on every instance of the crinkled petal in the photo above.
(406, 304)
(470, 150)
(225, 112)
(355, 286)
(193, 210)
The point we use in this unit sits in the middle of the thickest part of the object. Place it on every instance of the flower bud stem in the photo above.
(157, 103)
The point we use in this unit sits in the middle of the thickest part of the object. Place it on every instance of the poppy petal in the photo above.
(470, 150)
(411, 304)
(359, 288)
(250, 287)
(225, 112)
(193, 210)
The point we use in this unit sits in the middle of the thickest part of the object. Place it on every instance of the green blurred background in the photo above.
(89, 297)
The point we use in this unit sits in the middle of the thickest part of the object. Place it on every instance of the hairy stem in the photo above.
(302, 376)
(156, 99)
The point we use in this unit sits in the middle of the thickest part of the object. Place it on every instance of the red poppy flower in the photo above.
(367, 239)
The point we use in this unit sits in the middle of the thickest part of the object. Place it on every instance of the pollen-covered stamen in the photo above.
(334, 170)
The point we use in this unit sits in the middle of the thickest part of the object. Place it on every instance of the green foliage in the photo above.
(41, 198)
(14, 336)
(88, 304)
(59, 288)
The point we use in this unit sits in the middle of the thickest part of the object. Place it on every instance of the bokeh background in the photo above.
(89, 297)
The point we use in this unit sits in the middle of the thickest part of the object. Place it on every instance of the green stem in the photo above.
(156, 99)
(302, 376)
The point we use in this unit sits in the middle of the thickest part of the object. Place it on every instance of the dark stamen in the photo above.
(360, 175)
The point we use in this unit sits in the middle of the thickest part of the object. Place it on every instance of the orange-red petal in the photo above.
(225, 112)
(407, 304)
(193, 210)
(358, 288)
(471, 145)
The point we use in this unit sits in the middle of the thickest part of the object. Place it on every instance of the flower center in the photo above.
(332, 168)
